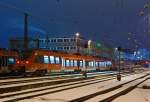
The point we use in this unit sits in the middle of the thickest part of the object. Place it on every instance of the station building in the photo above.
(73, 44)
(65, 44)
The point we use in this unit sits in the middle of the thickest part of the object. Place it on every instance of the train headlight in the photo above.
(27, 62)
(18, 62)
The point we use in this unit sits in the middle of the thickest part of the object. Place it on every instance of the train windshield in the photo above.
(11, 60)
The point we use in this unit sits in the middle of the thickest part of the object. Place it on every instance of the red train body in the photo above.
(43, 61)
(8, 60)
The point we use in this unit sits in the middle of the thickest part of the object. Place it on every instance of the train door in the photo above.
(0, 63)
(4, 64)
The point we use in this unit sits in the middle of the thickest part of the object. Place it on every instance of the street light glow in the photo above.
(89, 43)
(77, 34)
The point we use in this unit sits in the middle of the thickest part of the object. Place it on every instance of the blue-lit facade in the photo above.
(140, 54)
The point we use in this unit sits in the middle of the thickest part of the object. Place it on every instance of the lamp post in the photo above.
(89, 46)
(119, 75)
(77, 41)
(77, 46)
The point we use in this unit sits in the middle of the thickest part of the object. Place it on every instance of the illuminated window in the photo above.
(81, 63)
(96, 64)
(100, 64)
(67, 63)
(46, 59)
(57, 60)
(11, 61)
(71, 63)
(89, 64)
(92, 64)
(75, 63)
(52, 60)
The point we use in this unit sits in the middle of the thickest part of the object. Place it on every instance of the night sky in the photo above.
(107, 21)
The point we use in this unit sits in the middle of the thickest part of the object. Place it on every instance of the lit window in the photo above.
(57, 60)
(89, 64)
(71, 63)
(81, 63)
(52, 60)
(46, 59)
(96, 64)
(75, 63)
(67, 63)
(92, 64)
(11, 61)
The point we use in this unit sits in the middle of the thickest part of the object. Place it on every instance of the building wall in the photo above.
(70, 45)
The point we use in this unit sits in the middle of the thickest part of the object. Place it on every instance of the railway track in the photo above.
(30, 93)
(112, 93)
(35, 79)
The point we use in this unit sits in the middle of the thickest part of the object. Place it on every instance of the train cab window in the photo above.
(46, 59)
(11, 61)
(57, 59)
(71, 63)
(39, 59)
(75, 63)
(81, 63)
(67, 63)
(52, 59)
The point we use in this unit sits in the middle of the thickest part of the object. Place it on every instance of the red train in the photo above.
(43, 61)
(8, 60)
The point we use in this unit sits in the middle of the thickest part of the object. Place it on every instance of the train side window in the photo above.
(67, 63)
(89, 64)
(52, 59)
(86, 63)
(96, 64)
(57, 59)
(92, 64)
(81, 63)
(46, 59)
(99, 64)
(75, 63)
(39, 59)
(71, 63)
(11, 61)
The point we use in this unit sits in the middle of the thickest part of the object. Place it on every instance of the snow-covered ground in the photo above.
(137, 95)
(64, 96)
